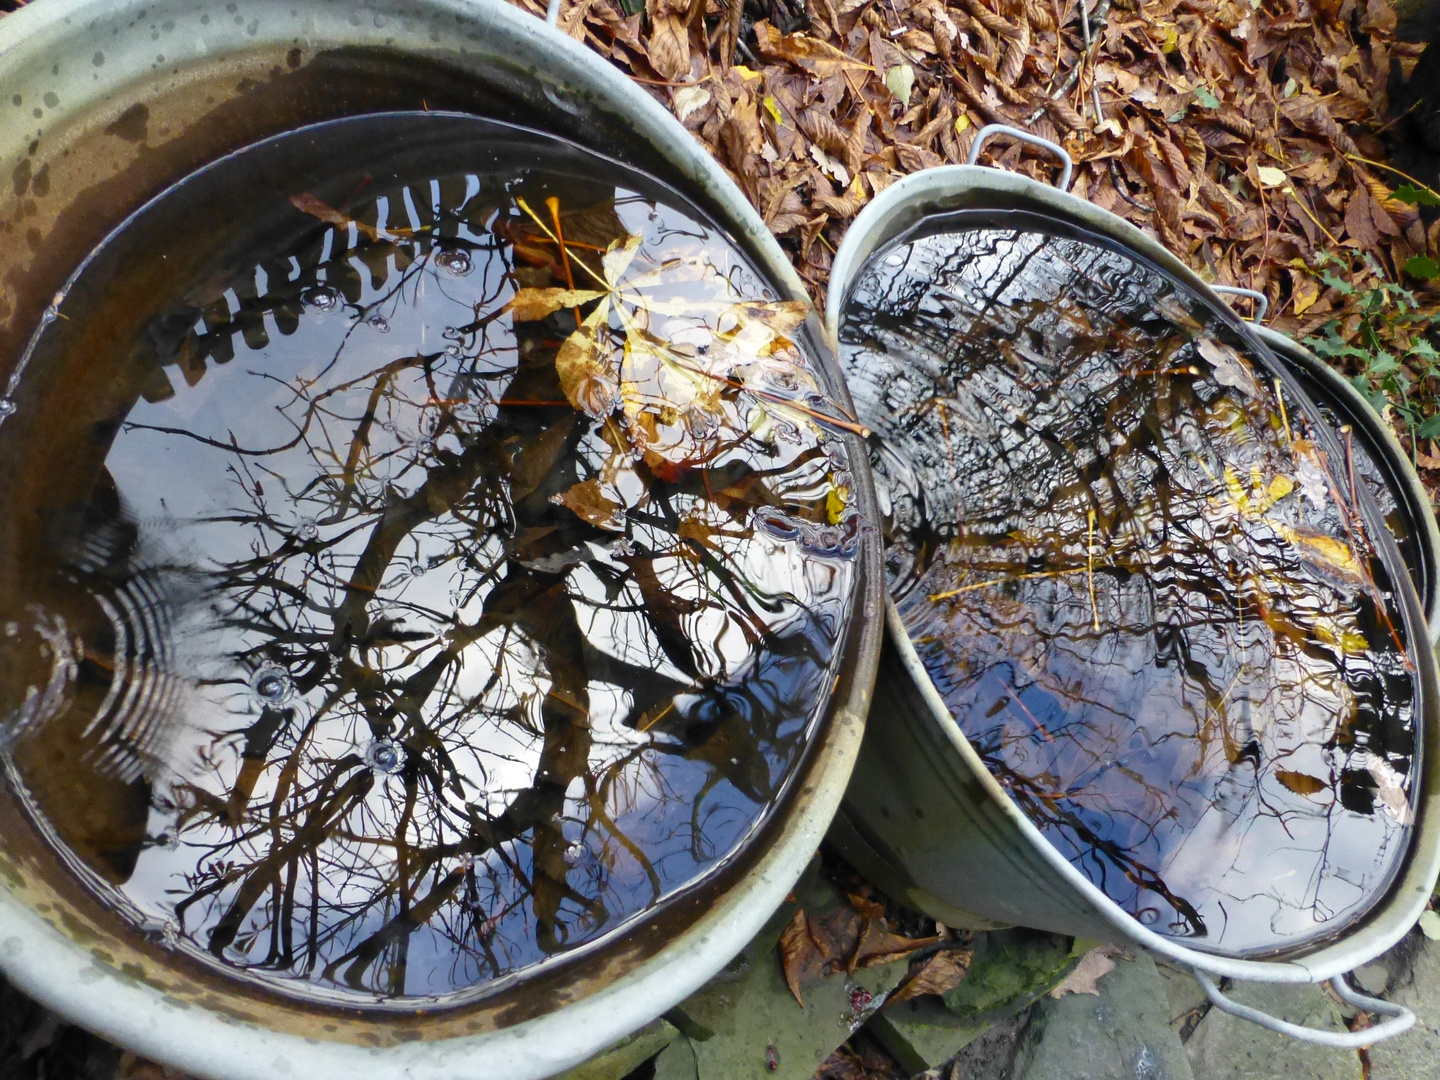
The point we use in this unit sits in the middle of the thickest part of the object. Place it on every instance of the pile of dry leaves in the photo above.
(1247, 135)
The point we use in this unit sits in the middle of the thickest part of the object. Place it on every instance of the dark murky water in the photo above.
(398, 599)
(1139, 579)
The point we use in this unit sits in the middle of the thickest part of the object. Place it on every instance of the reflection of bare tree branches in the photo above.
(1140, 590)
(483, 675)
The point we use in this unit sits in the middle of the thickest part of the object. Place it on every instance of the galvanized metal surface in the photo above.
(925, 816)
(105, 102)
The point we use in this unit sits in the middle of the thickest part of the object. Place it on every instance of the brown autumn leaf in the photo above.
(588, 376)
(1300, 783)
(319, 208)
(669, 45)
(941, 972)
(1360, 220)
(868, 908)
(815, 56)
(532, 305)
(800, 958)
(1094, 965)
(588, 501)
(879, 946)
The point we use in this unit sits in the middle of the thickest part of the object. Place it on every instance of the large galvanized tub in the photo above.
(924, 817)
(108, 102)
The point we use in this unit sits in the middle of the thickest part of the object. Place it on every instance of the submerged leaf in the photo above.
(1300, 783)
(532, 305)
(588, 378)
(589, 502)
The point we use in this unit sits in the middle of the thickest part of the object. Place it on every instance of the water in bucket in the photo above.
(429, 554)
(1139, 571)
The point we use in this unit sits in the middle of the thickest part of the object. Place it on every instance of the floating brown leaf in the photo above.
(1300, 783)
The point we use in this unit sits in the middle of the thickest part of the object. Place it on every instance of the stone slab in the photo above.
(1414, 1055)
(746, 1025)
(922, 1034)
(1123, 1034)
(1225, 1047)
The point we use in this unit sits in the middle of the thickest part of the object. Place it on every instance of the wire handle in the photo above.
(1400, 1018)
(552, 13)
(1262, 302)
(983, 135)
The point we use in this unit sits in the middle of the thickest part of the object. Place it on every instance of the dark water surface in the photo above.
(393, 600)
(1140, 579)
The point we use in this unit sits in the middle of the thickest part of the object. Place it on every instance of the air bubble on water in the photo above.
(454, 351)
(385, 756)
(417, 569)
(321, 298)
(894, 260)
(1149, 916)
(11, 629)
(7, 407)
(454, 261)
(271, 683)
(378, 323)
(307, 530)
(575, 853)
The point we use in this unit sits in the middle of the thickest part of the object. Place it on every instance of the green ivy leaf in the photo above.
(1430, 429)
(1206, 98)
(1422, 266)
(1409, 193)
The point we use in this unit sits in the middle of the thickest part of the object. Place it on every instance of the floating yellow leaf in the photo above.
(836, 499)
(532, 305)
(1323, 550)
(590, 503)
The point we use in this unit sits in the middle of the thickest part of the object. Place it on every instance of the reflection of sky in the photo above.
(674, 805)
(1158, 650)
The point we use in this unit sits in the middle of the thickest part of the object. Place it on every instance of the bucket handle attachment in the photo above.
(552, 13)
(983, 136)
(1400, 1018)
(1262, 302)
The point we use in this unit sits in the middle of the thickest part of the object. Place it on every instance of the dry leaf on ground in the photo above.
(941, 972)
(1092, 967)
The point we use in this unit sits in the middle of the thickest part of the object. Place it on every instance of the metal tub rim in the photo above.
(954, 187)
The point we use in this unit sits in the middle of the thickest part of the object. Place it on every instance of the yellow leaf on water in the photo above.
(532, 305)
(835, 502)
(1279, 488)
(590, 503)
(1322, 549)
(588, 380)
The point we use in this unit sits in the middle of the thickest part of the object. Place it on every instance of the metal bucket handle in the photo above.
(983, 135)
(1262, 302)
(1400, 1018)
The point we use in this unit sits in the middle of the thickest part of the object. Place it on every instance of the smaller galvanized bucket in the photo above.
(923, 816)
